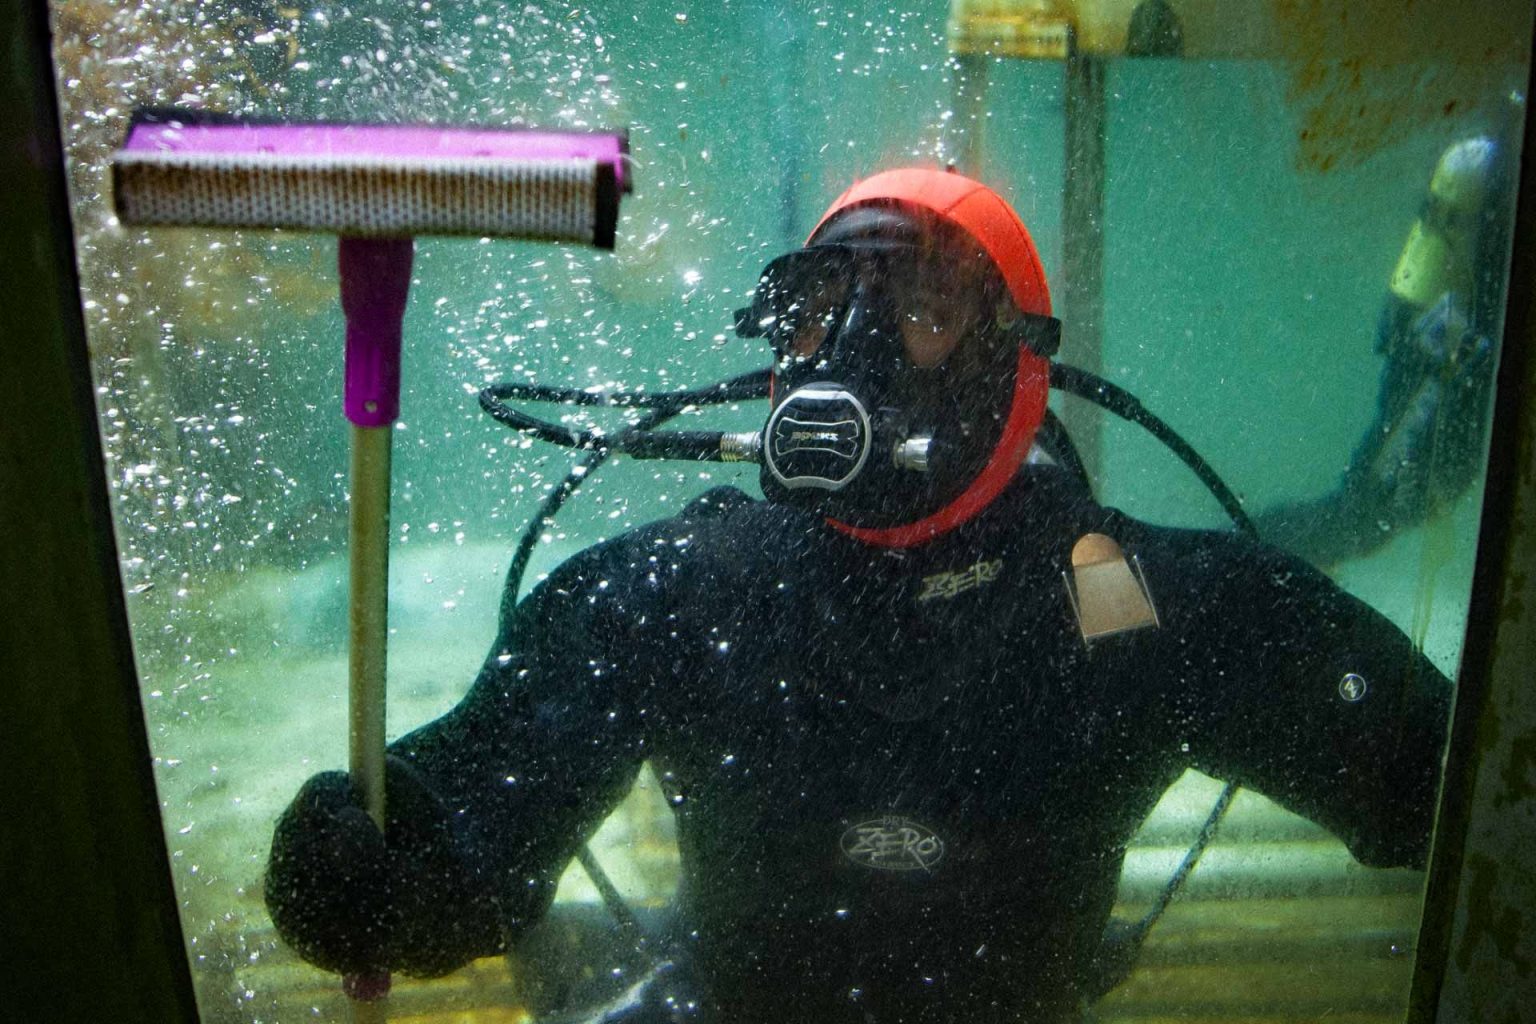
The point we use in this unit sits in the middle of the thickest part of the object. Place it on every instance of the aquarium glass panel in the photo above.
(1049, 763)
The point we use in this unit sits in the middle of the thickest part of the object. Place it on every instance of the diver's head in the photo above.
(911, 336)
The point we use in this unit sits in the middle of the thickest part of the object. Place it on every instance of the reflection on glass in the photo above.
(861, 778)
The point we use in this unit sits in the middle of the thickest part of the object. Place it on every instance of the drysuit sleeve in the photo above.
(548, 739)
(1284, 683)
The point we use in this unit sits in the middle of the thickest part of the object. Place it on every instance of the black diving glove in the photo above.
(349, 901)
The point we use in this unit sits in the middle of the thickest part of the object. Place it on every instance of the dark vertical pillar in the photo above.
(1082, 234)
(88, 921)
(1476, 957)
(782, 28)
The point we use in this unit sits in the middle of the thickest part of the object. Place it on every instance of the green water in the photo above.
(1241, 295)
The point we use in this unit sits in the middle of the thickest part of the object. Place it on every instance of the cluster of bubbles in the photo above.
(217, 352)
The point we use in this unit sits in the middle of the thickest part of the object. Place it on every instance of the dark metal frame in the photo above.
(88, 914)
(88, 917)
(1476, 955)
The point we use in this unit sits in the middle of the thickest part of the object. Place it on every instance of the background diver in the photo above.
(1444, 306)
(908, 710)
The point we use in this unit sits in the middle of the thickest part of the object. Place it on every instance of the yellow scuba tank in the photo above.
(1440, 254)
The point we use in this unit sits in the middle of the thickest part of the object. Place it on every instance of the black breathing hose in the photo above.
(663, 406)
(1093, 388)
(638, 440)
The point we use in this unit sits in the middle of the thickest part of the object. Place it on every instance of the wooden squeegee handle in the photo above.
(368, 635)
(368, 614)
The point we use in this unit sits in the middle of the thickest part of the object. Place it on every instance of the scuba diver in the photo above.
(1445, 301)
(908, 710)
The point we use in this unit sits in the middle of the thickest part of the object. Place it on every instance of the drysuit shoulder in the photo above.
(717, 502)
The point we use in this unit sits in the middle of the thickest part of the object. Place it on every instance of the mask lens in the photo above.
(800, 298)
(803, 297)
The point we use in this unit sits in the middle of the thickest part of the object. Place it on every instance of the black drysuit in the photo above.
(903, 782)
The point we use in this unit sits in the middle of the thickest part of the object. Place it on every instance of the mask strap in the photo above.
(1030, 389)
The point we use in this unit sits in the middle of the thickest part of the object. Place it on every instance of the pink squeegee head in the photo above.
(372, 180)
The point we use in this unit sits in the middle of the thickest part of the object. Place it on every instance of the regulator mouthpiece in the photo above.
(819, 436)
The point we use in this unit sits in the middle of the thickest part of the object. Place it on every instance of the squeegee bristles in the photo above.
(372, 180)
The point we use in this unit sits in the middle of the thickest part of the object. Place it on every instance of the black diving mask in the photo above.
(890, 375)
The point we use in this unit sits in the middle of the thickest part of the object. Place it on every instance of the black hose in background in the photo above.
(1053, 439)
(1093, 388)
(1117, 962)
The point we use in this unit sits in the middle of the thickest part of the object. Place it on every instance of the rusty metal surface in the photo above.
(1377, 32)
(1360, 75)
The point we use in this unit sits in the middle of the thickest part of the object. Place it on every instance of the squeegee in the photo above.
(376, 186)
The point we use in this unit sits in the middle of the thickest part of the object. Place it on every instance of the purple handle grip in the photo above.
(375, 283)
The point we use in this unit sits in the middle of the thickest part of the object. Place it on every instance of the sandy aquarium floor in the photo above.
(259, 704)
(1276, 925)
